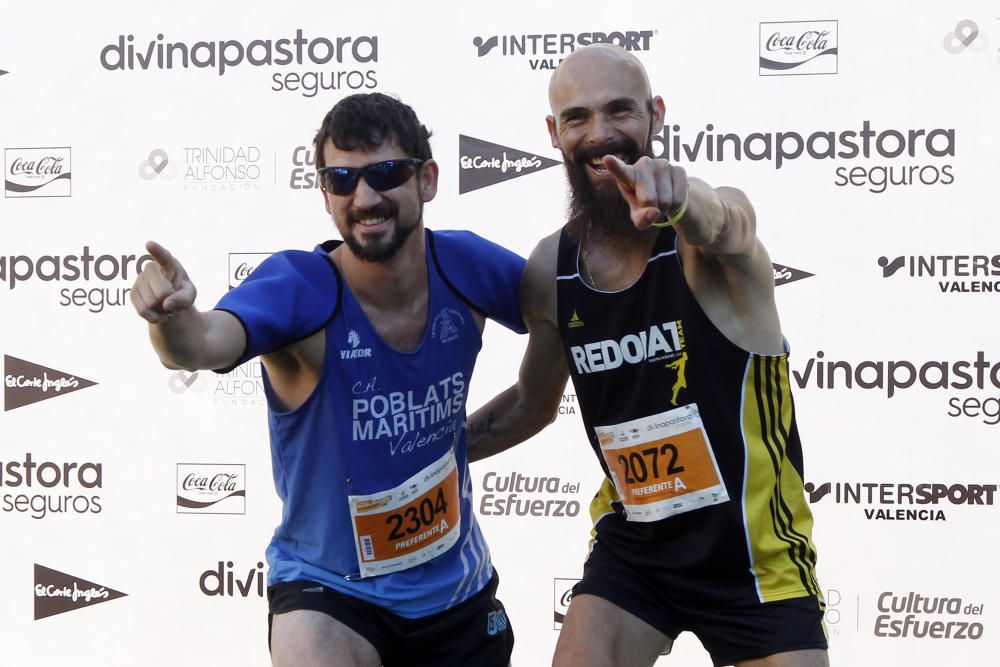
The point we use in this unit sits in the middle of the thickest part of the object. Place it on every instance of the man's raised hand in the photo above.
(653, 188)
(163, 288)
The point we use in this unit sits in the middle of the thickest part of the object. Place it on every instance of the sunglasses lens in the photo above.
(388, 175)
(340, 181)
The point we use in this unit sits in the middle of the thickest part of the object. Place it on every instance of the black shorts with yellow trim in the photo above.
(475, 632)
(730, 632)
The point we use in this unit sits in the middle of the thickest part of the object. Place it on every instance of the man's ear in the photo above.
(550, 121)
(326, 200)
(659, 113)
(428, 180)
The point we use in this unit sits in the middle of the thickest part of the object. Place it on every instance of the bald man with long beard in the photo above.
(657, 298)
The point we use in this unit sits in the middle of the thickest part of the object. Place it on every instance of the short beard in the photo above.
(385, 250)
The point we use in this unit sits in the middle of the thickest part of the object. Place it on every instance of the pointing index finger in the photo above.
(168, 265)
(160, 254)
(623, 173)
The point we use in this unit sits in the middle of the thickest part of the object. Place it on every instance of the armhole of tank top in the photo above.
(340, 285)
(566, 255)
(333, 313)
(269, 389)
(447, 281)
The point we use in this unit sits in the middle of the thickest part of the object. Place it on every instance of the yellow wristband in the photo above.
(675, 218)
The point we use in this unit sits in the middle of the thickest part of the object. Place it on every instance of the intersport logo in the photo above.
(130, 53)
(483, 163)
(893, 157)
(57, 592)
(544, 51)
(894, 376)
(902, 501)
(964, 274)
(26, 383)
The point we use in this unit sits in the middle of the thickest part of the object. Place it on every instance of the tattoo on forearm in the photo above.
(481, 432)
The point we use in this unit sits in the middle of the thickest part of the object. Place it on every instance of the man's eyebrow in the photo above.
(572, 112)
(622, 103)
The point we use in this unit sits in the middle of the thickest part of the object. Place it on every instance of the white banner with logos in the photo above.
(136, 502)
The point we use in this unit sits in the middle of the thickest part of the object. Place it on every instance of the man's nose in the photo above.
(600, 131)
(365, 196)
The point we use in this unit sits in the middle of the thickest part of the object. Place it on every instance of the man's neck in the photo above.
(614, 260)
(395, 283)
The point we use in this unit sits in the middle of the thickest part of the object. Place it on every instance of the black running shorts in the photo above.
(475, 632)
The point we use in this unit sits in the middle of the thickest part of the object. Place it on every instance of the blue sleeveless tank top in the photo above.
(378, 424)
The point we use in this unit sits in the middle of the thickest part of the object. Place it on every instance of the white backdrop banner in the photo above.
(136, 502)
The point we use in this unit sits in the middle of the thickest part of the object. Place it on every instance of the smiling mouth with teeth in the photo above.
(371, 222)
(597, 162)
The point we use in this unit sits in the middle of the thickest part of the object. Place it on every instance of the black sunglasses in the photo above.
(381, 176)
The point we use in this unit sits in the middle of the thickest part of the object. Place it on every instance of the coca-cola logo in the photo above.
(243, 271)
(798, 47)
(46, 166)
(37, 172)
(219, 482)
(562, 594)
(810, 40)
(211, 488)
(243, 264)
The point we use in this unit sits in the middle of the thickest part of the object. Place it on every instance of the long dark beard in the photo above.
(603, 208)
(606, 209)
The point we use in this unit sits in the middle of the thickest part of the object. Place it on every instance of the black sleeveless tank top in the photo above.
(696, 436)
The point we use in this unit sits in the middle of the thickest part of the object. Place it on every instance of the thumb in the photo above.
(182, 299)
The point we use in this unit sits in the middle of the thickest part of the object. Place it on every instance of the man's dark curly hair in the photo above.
(368, 120)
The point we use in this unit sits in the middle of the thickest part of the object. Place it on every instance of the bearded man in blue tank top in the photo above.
(368, 348)
(661, 298)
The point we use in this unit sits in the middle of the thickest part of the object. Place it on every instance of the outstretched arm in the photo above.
(183, 337)
(529, 405)
(725, 264)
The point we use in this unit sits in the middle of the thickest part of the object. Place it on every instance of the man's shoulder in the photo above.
(463, 242)
(294, 264)
(544, 259)
(486, 275)
(547, 249)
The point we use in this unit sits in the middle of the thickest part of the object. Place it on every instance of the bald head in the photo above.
(586, 70)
